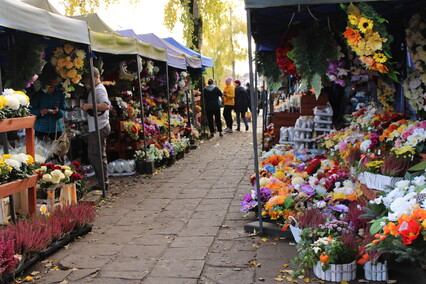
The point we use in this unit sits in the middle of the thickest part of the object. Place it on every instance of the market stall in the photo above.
(356, 197)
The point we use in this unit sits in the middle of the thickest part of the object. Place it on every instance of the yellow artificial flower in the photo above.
(78, 63)
(30, 160)
(354, 20)
(375, 42)
(76, 79)
(6, 156)
(69, 65)
(3, 102)
(72, 73)
(68, 48)
(62, 62)
(380, 57)
(339, 196)
(63, 74)
(365, 25)
(80, 53)
(65, 168)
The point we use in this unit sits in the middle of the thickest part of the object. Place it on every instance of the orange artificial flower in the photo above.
(364, 258)
(410, 232)
(352, 35)
(419, 214)
(380, 67)
(324, 258)
(285, 227)
(351, 197)
(390, 228)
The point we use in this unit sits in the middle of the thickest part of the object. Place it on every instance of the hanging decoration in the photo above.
(416, 42)
(69, 63)
(312, 63)
(283, 61)
(367, 36)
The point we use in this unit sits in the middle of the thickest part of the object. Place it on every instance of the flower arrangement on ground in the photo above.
(14, 104)
(69, 63)
(15, 166)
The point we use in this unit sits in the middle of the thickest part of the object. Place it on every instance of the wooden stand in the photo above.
(12, 124)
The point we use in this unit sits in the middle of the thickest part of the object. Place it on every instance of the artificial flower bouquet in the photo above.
(139, 155)
(51, 175)
(15, 166)
(154, 154)
(69, 62)
(125, 109)
(133, 129)
(14, 104)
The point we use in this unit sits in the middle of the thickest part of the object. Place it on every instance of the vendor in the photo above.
(48, 104)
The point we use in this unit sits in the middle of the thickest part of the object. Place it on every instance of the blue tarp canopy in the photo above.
(270, 19)
(173, 60)
(191, 60)
(205, 61)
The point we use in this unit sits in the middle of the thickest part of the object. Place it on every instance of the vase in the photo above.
(376, 272)
(68, 194)
(295, 230)
(336, 272)
(140, 166)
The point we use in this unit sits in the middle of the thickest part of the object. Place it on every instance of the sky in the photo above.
(147, 17)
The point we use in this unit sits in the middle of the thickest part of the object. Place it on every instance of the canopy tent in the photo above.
(270, 19)
(96, 24)
(24, 17)
(42, 4)
(205, 61)
(112, 44)
(173, 59)
(191, 60)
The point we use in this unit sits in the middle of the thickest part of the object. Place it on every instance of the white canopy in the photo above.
(21, 16)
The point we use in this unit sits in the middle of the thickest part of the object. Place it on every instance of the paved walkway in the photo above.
(183, 225)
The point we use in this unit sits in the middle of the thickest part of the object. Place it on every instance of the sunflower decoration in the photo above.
(368, 38)
(69, 63)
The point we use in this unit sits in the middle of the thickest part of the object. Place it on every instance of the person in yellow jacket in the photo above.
(228, 102)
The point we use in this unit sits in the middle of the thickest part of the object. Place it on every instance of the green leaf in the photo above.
(419, 167)
(316, 84)
(375, 226)
(288, 202)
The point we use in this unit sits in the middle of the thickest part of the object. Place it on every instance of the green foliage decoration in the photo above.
(312, 50)
(267, 67)
(24, 61)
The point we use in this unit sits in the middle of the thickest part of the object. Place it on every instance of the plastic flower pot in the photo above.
(170, 161)
(140, 166)
(159, 163)
(180, 155)
(376, 272)
(336, 272)
(380, 182)
(148, 167)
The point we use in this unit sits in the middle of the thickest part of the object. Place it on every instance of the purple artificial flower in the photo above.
(340, 208)
(307, 189)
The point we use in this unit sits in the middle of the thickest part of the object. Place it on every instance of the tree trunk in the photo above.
(197, 21)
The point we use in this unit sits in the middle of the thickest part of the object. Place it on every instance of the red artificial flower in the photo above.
(76, 164)
(409, 230)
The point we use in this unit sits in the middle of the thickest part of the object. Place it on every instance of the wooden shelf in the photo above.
(12, 124)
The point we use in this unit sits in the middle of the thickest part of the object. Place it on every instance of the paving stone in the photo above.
(190, 242)
(200, 231)
(125, 263)
(55, 276)
(102, 249)
(160, 280)
(81, 274)
(130, 275)
(84, 261)
(106, 280)
(232, 258)
(178, 268)
(185, 253)
(208, 222)
(153, 239)
(143, 251)
(227, 275)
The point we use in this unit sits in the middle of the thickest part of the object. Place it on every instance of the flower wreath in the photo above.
(415, 90)
(416, 41)
(69, 64)
(368, 38)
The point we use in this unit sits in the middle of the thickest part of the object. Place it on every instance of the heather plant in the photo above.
(8, 257)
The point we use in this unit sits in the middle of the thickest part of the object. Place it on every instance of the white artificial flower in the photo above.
(68, 173)
(419, 181)
(319, 189)
(43, 169)
(321, 204)
(80, 53)
(22, 158)
(378, 200)
(8, 92)
(12, 102)
(14, 164)
(183, 74)
(403, 184)
(57, 174)
(47, 178)
(22, 99)
(297, 180)
(263, 181)
(55, 180)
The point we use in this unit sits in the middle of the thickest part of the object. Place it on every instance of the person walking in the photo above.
(228, 102)
(103, 106)
(241, 104)
(211, 96)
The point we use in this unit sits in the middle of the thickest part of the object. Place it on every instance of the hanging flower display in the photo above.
(415, 92)
(416, 42)
(283, 61)
(69, 63)
(362, 34)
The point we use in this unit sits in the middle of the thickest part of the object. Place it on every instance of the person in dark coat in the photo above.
(241, 104)
(211, 97)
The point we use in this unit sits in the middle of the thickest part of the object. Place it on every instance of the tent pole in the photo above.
(95, 116)
(203, 107)
(254, 122)
(141, 102)
(168, 102)
(6, 151)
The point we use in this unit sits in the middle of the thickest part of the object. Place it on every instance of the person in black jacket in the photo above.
(211, 96)
(241, 104)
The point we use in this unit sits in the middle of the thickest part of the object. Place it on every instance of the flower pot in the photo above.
(148, 167)
(186, 150)
(180, 155)
(295, 230)
(170, 161)
(140, 166)
(376, 272)
(380, 182)
(159, 163)
(336, 272)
